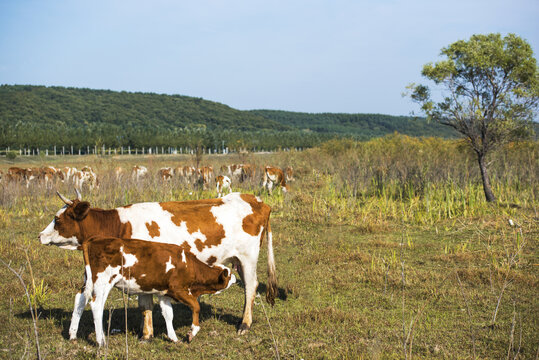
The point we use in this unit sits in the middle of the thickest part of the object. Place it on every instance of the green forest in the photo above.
(43, 117)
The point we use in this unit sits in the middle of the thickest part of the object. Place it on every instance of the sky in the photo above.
(313, 56)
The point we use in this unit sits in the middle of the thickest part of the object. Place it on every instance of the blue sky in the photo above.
(311, 56)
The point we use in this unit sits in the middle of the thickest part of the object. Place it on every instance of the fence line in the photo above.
(103, 150)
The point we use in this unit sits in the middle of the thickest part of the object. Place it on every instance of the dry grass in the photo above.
(340, 238)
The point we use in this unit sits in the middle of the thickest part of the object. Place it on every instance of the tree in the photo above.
(490, 93)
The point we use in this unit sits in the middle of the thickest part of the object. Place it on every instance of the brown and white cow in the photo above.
(274, 176)
(85, 176)
(17, 174)
(119, 173)
(138, 171)
(218, 231)
(68, 173)
(242, 172)
(223, 183)
(185, 173)
(204, 175)
(165, 174)
(144, 267)
(289, 174)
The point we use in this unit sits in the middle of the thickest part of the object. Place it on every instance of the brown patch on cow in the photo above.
(127, 206)
(97, 222)
(211, 260)
(153, 229)
(261, 212)
(127, 231)
(198, 217)
(199, 244)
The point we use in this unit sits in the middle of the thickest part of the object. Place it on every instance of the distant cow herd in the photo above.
(203, 176)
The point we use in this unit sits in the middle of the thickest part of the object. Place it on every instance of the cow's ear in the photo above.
(81, 210)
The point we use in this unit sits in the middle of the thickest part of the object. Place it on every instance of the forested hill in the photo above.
(363, 125)
(73, 107)
(39, 116)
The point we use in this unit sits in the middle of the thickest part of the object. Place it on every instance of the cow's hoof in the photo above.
(144, 340)
(73, 341)
(190, 337)
(244, 328)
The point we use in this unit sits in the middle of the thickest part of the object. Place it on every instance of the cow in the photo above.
(166, 173)
(119, 173)
(242, 172)
(21, 175)
(85, 175)
(289, 174)
(144, 267)
(68, 173)
(185, 173)
(218, 231)
(223, 183)
(274, 176)
(204, 175)
(138, 171)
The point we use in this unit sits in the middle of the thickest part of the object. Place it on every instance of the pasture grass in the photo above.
(366, 270)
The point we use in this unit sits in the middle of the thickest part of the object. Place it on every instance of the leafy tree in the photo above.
(490, 93)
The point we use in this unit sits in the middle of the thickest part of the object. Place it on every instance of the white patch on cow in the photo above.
(258, 199)
(50, 235)
(169, 264)
(143, 275)
(140, 214)
(194, 329)
(183, 257)
(129, 259)
(189, 291)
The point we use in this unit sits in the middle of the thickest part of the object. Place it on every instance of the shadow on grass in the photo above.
(182, 317)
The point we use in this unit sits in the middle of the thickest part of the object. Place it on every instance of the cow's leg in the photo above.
(251, 284)
(191, 301)
(80, 304)
(145, 304)
(168, 314)
(101, 292)
(269, 186)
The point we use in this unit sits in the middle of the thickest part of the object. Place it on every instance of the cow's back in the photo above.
(213, 229)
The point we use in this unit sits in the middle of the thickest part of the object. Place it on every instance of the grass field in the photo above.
(384, 249)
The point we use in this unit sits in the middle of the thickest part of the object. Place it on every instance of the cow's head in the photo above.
(225, 279)
(64, 230)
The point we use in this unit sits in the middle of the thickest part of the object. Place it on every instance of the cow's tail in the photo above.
(89, 284)
(271, 289)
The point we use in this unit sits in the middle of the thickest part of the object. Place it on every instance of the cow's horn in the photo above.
(64, 199)
(79, 197)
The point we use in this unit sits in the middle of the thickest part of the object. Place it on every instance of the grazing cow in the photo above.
(68, 173)
(144, 267)
(223, 183)
(166, 173)
(289, 174)
(138, 171)
(185, 173)
(205, 175)
(17, 174)
(119, 173)
(274, 176)
(85, 175)
(218, 231)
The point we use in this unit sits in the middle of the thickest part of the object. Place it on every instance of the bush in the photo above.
(11, 155)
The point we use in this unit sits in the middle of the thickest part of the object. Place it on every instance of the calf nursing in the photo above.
(143, 267)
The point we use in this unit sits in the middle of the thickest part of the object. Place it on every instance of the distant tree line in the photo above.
(43, 117)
